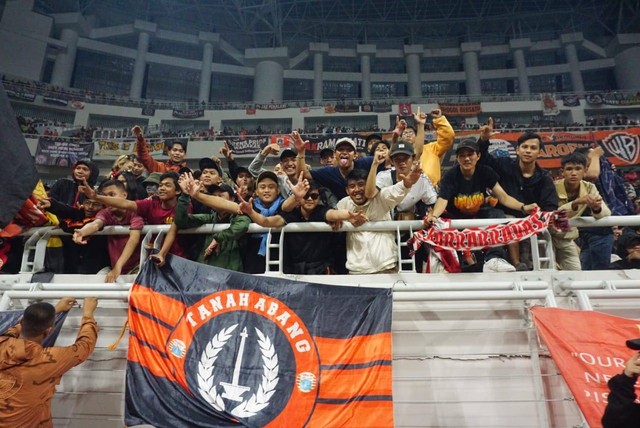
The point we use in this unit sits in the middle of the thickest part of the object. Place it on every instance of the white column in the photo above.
(574, 66)
(521, 67)
(137, 79)
(626, 70)
(412, 55)
(471, 68)
(365, 70)
(65, 61)
(318, 83)
(268, 82)
(205, 73)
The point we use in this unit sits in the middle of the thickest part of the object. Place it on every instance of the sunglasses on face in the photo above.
(312, 196)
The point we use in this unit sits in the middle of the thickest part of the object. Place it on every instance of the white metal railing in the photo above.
(35, 245)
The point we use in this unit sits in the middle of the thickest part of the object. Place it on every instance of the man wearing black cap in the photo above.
(422, 193)
(622, 409)
(327, 157)
(463, 195)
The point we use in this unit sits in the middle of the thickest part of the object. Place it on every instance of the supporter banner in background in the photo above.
(382, 107)
(549, 105)
(613, 98)
(77, 104)
(404, 109)
(188, 113)
(250, 110)
(233, 349)
(148, 111)
(22, 96)
(55, 100)
(329, 108)
(271, 106)
(59, 152)
(460, 109)
(572, 100)
(589, 348)
(305, 109)
(115, 148)
(246, 146)
(347, 108)
(622, 147)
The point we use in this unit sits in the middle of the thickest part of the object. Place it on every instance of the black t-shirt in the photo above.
(466, 197)
(306, 247)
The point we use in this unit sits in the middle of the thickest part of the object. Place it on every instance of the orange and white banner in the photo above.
(589, 349)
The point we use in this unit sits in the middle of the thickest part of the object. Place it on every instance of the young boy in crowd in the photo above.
(177, 153)
(578, 198)
(374, 252)
(463, 195)
(124, 251)
(221, 249)
(305, 253)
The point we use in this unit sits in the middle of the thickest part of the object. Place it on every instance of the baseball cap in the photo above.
(634, 344)
(467, 144)
(208, 163)
(243, 169)
(326, 152)
(183, 170)
(402, 148)
(345, 140)
(287, 153)
(267, 174)
(223, 188)
(153, 178)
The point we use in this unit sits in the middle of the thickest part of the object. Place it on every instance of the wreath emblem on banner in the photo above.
(270, 369)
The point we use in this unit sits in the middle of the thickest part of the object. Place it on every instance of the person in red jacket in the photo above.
(177, 153)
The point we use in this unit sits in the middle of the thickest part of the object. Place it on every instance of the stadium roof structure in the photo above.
(292, 23)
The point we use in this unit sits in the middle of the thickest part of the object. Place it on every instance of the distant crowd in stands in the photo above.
(397, 179)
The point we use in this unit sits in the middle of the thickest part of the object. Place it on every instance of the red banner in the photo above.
(404, 109)
(589, 349)
(460, 109)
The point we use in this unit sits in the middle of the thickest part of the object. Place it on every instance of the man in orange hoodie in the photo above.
(177, 153)
(29, 373)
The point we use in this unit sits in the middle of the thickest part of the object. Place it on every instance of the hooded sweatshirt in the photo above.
(29, 374)
(65, 190)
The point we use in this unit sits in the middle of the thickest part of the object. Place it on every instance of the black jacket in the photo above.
(65, 190)
(621, 410)
(538, 189)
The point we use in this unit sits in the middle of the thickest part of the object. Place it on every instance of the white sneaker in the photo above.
(498, 265)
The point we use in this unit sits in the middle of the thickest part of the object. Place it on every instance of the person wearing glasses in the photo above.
(305, 253)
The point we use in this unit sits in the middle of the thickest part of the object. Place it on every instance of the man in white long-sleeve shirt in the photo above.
(374, 252)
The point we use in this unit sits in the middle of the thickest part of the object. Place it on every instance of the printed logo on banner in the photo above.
(242, 347)
(623, 146)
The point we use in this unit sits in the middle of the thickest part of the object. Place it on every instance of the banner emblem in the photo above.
(623, 145)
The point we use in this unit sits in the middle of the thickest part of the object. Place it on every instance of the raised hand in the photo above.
(226, 151)
(401, 124)
(436, 113)
(486, 131)
(298, 143)
(413, 176)
(136, 130)
(301, 188)
(272, 149)
(378, 159)
(246, 207)
(87, 190)
(420, 118)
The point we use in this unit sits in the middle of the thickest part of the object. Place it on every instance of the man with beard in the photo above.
(177, 153)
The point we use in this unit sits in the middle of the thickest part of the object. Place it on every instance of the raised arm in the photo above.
(418, 143)
(109, 201)
(371, 190)
(398, 130)
(593, 171)
(255, 167)
(193, 188)
(80, 235)
(298, 191)
(444, 133)
(339, 215)
(143, 152)
(301, 147)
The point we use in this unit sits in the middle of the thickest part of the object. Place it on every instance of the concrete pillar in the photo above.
(205, 73)
(137, 79)
(518, 46)
(626, 69)
(318, 50)
(365, 52)
(268, 82)
(65, 61)
(412, 58)
(569, 41)
(471, 68)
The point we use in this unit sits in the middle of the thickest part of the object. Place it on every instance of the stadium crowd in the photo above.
(398, 179)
